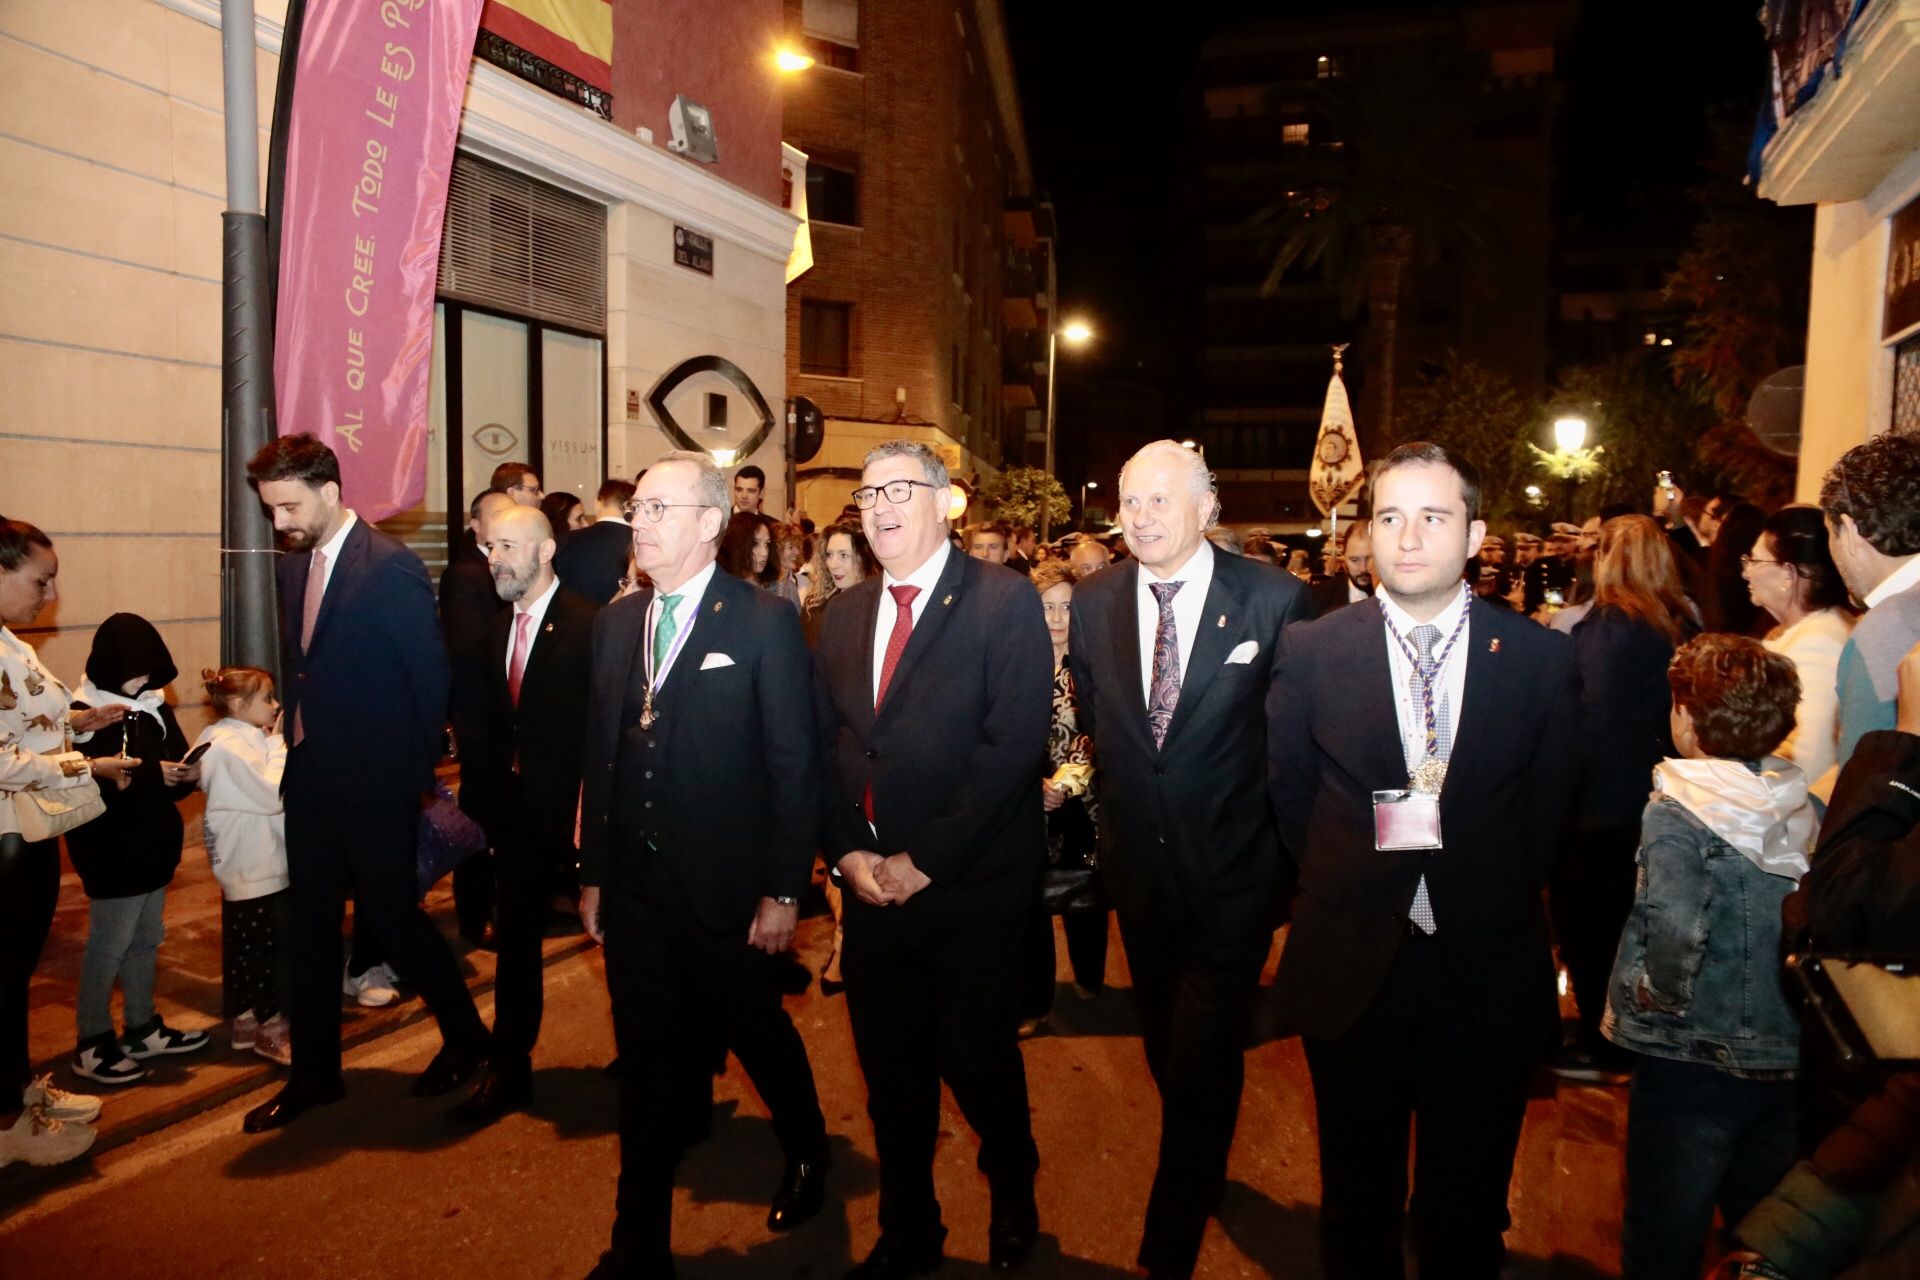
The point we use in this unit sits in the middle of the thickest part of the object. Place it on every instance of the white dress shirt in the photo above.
(536, 608)
(1411, 711)
(331, 550)
(1189, 608)
(1355, 595)
(1905, 578)
(926, 577)
(685, 614)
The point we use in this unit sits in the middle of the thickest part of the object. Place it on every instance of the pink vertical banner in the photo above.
(376, 106)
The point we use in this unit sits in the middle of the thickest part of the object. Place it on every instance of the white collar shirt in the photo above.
(685, 614)
(535, 611)
(1905, 578)
(1355, 595)
(331, 550)
(1189, 607)
(926, 577)
(1451, 694)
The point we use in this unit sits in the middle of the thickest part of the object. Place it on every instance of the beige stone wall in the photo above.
(112, 179)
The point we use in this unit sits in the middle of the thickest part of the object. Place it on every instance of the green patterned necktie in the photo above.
(663, 632)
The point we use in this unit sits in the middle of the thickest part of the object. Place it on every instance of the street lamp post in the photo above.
(1084, 487)
(1076, 332)
(1569, 434)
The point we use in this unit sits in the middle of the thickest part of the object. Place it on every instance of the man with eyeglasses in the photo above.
(935, 680)
(698, 823)
(518, 481)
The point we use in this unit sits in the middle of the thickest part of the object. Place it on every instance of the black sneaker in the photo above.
(103, 1060)
(157, 1038)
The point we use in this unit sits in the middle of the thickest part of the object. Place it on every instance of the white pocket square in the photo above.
(716, 660)
(1242, 653)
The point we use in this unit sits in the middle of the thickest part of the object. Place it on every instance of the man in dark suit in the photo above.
(1172, 657)
(1354, 581)
(539, 663)
(697, 840)
(1421, 756)
(365, 699)
(935, 682)
(593, 560)
(468, 610)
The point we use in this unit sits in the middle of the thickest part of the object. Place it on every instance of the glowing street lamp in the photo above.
(791, 61)
(1570, 433)
(1077, 333)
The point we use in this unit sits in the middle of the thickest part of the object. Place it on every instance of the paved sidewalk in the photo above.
(187, 994)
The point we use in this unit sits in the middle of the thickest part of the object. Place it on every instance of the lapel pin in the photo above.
(718, 605)
(1493, 645)
(1222, 622)
(946, 600)
(548, 628)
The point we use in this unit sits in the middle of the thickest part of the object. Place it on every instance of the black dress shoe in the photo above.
(449, 1069)
(496, 1094)
(1010, 1242)
(285, 1106)
(893, 1258)
(802, 1191)
(484, 938)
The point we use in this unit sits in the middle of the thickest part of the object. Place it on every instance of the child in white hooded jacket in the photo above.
(247, 848)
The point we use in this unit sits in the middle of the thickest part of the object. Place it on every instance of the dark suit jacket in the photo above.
(731, 767)
(956, 751)
(372, 690)
(469, 607)
(543, 734)
(593, 560)
(1329, 595)
(1334, 740)
(1186, 830)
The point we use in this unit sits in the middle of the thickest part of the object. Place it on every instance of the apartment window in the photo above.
(1291, 135)
(826, 338)
(1326, 67)
(833, 192)
(832, 32)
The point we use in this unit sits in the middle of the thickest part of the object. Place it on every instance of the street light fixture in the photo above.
(1189, 444)
(791, 61)
(1570, 433)
(1084, 487)
(1077, 334)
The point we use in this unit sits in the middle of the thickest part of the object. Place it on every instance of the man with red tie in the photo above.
(539, 667)
(935, 693)
(365, 693)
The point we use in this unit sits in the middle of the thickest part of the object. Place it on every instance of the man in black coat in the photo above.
(594, 559)
(1422, 756)
(935, 687)
(539, 664)
(469, 608)
(697, 839)
(1172, 658)
(1354, 581)
(365, 698)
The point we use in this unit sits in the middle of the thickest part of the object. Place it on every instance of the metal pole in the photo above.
(1045, 523)
(249, 612)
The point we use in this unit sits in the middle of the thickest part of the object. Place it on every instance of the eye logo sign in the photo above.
(670, 382)
(495, 440)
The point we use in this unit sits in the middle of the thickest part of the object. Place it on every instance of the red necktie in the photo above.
(310, 614)
(517, 668)
(896, 645)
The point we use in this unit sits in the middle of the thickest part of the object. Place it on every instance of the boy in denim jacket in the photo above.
(1698, 989)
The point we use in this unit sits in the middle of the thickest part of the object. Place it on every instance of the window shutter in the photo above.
(835, 20)
(523, 247)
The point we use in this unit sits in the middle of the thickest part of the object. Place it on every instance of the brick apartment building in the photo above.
(926, 309)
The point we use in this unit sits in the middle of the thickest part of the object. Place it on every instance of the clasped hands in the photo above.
(882, 882)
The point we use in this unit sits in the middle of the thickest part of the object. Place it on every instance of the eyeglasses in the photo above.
(1748, 562)
(655, 510)
(897, 491)
(523, 487)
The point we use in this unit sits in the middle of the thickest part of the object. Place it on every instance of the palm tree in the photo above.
(1399, 181)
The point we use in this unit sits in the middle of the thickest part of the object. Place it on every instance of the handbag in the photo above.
(1071, 889)
(448, 837)
(42, 815)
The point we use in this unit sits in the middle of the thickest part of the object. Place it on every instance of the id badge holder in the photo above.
(1406, 820)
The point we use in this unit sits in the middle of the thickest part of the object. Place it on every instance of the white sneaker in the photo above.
(58, 1104)
(374, 988)
(245, 1028)
(273, 1040)
(39, 1139)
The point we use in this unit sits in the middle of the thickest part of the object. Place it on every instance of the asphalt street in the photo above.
(381, 1186)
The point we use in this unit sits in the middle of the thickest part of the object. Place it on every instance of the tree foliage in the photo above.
(1476, 412)
(1015, 495)
(1640, 418)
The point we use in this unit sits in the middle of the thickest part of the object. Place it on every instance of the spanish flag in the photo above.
(574, 35)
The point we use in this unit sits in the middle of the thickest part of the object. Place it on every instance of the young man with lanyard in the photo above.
(1420, 751)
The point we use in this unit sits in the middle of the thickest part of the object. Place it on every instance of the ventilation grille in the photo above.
(523, 247)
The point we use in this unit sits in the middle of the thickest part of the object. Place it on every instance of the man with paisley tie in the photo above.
(1173, 655)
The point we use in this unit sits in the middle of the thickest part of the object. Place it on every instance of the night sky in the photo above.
(1109, 99)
